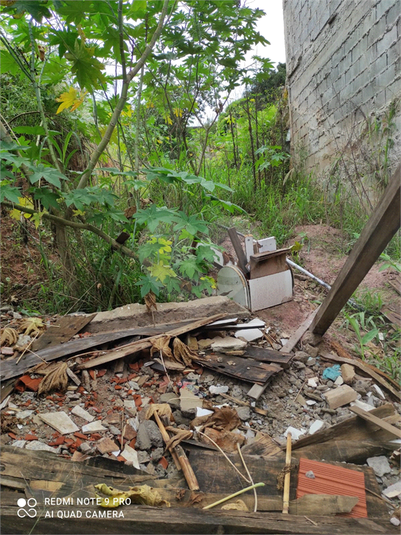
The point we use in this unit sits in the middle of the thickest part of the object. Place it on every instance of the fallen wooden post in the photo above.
(378, 231)
(375, 420)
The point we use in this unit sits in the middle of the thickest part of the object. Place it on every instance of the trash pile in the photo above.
(160, 401)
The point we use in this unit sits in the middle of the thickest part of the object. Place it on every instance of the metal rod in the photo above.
(319, 281)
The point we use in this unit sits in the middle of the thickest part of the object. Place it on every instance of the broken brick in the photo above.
(80, 435)
(100, 373)
(12, 435)
(133, 442)
(134, 366)
(164, 463)
(138, 400)
(30, 437)
(69, 441)
(95, 436)
(59, 440)
(92, 373)
(27, 382)
(118, 387)
(120, 458)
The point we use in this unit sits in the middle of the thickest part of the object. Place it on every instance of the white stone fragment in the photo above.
(393, 490)
(19, 443)
(218, 389)
(295, 433)
(339, 381)
(202, 412)
(379, 391)
(379, 464)
(249, 334)
(93, 427)
(131, 455)
(36, 445)
(311, 402)
(313, 382)
(82, 413)
(316, 426)
(60, 421)
(229, 343)
(362, 405)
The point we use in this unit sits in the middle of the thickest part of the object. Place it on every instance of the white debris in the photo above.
(361, 405)
(313, 381)
(82, 413)
(339, 381)
(218, 389)
(24, 414)
(316, 426)
(131, 455)
(202, 412)
(93, 427)
(379, 464)
(393, 490)
(379, 391)
(295, 433)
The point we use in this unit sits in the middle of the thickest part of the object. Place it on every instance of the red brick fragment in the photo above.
(80, 435)
(100, 373)
(26, 382)
(95, 436)
(118, 387)
(69, 441)
(134, 366)
(164, 463)
(59, 440)
(132, 443)
(120, 458)
(12, 435)
(30, 437)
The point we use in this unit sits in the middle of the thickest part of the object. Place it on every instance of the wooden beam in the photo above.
(378, 231)
(375, 420)
(242, 261)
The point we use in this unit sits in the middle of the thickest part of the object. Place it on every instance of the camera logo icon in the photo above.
(27, 507)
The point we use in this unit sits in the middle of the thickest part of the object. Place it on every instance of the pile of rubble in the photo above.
(147, 396)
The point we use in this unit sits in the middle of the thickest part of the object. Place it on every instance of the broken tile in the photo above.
(361, 405)
(36, 445)
(316, 426)
(250, 334)
(106, 445)
(60, 421)
(202, 412)
(82, 413)
(93, 427)
(19, 443)
(340, 396)
(131, 456)
(379, 464)
(188, 400)
(229, 343)
(339, 381)
(393, 490)
(130, 407)
(295, 433)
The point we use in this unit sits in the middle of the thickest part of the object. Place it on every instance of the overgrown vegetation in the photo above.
(121, 145)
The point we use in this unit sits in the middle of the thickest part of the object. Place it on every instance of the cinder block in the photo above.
(382, 7)
(393, 14)
(387, 40)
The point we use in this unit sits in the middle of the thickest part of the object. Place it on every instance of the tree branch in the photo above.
(74, 224)
(120, 105)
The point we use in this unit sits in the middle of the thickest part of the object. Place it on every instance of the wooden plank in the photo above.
(392, 315)
(268, 263)
(367, 369)
(264, 446)
(11, 369)
(146, 343)
(242, 261)
(141, 519)
(257, 390)
(378, 231)
(62, 331)
(245, 369)
(268, 355)
(375, 420)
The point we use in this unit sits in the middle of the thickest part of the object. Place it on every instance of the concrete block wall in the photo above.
(343, 65)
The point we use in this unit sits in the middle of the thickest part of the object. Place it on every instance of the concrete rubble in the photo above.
(107, 417)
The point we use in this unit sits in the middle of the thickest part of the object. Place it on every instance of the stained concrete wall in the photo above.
(343, 66)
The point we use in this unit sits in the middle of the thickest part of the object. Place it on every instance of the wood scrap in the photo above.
(257, 390)
(242, 368)
(375, 420)
(146, 343)
(287, 474)
(239, 251)
(62, 331)
(313, 504)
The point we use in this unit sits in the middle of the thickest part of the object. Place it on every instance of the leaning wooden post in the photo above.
(378, 231)
(287, 476)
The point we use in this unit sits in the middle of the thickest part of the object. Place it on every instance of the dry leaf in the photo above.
(56, 379)
(238, 505)
(161, 344)
(32, 325)
(143, 495)
(224, 419)
(8, 337)
(226, 440)
(150, 301)
(179, 437)
(162, 409)
(182, 353)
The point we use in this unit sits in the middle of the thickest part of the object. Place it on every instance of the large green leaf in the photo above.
(9, 192)
(8, 64)
(36, 8)
(152, 216)
(47, 197)
(49, 174)
(87, 69)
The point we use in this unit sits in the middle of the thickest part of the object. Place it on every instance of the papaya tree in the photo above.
(99, 59)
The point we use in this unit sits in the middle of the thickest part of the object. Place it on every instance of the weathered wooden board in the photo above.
(11, 369)
(146, 343)
(268, 355)
(239, 251)
(153, 520)
(353, 440)
(378, 231)
(245, 369)
(257, 390)
(62, 331)
(264, 446)
(375, 420)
